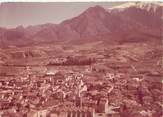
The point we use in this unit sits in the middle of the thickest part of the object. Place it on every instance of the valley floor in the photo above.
(93, 79)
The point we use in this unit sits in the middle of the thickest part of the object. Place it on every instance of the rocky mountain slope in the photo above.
(136, 20)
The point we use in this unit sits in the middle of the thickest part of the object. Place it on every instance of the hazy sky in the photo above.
(15, 14)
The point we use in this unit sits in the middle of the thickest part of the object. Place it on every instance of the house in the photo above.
(4, 104)
(72, 112)
(101, 104)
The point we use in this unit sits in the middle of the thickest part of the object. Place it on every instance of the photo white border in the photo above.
(79, 0)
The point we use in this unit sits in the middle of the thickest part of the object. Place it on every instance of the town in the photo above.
(97, 84)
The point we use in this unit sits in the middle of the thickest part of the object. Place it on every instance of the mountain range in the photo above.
(136, 21)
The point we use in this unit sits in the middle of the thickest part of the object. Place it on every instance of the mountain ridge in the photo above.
(92, 23)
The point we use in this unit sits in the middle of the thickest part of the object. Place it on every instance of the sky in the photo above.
(34, 13)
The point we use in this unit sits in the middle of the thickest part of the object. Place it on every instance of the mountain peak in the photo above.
(96, 8)
(19, 27)
(142, 5)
